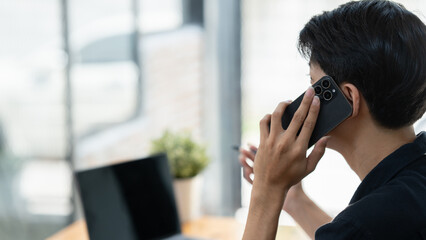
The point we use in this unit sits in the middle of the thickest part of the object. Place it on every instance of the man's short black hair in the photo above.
(378, 46)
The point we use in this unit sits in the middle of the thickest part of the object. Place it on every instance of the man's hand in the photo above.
(294, 194)
(281, 162)
(247, 168)
(281, 159)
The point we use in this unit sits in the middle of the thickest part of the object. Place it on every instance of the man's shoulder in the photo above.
(343, 228)
(401, 201)
(416, 170)
(396, 210)
(401, 198)
(381, 215)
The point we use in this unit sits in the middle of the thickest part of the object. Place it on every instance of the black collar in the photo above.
(391, 166)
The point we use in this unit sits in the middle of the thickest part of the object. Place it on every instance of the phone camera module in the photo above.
(327, 95)
(325, 84)
(318, 90)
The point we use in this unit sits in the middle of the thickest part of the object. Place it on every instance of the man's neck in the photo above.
(371, 145)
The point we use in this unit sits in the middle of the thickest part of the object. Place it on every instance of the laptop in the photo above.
(130, 201)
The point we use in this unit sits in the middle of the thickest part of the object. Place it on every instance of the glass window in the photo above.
(159, 15)
(104, 71)
(35, 184)
(104, 74)
(35, 180)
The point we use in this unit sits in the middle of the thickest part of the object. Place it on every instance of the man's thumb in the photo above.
(316, 154)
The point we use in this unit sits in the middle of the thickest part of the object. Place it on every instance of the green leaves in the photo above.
(186, 157)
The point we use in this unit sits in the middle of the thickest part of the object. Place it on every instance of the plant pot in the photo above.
(188, 197)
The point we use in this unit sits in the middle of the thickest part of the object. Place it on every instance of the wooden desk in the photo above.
(219, 228)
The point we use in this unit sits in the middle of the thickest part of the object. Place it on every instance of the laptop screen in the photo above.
(131, 200)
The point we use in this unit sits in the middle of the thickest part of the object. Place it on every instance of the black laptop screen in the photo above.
(132, 200)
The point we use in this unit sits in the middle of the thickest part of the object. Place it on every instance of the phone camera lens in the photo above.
(318, 90)
(325, 84)
(327, 95)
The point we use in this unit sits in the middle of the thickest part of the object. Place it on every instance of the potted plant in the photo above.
(186, 159)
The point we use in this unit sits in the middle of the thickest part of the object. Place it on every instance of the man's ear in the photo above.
(353, 95)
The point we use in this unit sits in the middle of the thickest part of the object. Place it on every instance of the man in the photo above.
(376, 52)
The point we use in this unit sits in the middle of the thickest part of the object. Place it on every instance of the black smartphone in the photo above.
(334, 108)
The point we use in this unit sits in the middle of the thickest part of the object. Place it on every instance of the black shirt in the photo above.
(390, 203)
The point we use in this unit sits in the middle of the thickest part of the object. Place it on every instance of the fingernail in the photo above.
(310, 91)
(316, 101)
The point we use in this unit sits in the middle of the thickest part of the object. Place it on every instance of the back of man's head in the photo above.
(378, 46)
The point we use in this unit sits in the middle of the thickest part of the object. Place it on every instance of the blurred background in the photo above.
(89, 83)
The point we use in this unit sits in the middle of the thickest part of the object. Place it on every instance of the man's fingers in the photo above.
(309, 124)
(247, 170)
(264, 127)
(276, 125)
(253, 149)
(243, 161)
(316, 154)
(246, 174)
(247, 154)
(300, 115)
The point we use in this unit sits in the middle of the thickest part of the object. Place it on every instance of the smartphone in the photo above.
(334, 108)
